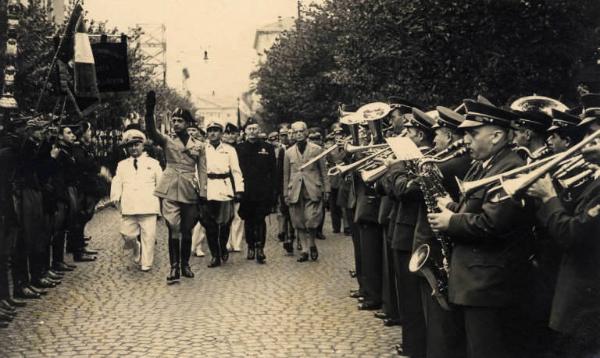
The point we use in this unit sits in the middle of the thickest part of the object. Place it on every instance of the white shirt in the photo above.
(222, 160)
(134, 189)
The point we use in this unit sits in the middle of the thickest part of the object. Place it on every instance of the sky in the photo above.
(224, 28)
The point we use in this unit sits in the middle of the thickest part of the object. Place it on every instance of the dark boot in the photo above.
(186, 251)
(251, 253)
(260, 255)
(174, 260)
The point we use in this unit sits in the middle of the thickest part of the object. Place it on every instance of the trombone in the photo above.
(344, 168)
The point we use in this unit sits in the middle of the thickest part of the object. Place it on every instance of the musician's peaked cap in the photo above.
(563, 120)
(591, 108)
(537, 121)
(403, 105)
(448, 118)
(479, 114)
(133, 136)
(420, 120)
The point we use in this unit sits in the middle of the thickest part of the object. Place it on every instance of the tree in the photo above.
(431, 52)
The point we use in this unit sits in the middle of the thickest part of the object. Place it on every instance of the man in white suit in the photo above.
(133, 188)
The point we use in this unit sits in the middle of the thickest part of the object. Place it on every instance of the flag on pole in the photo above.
(84, 68)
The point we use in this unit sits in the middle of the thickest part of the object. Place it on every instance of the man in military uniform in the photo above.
(179, 187)
(491, 237)
(236, 234)
(257, 161)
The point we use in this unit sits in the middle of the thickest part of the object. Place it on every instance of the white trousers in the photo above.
(198, 239)
(145, 226)
(236, 234)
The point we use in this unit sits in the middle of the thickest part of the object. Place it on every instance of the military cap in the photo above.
(231, 128)
(250, 121)
(401, 104)
(535, 120)
(479, 114)
(448, 118)
(214, 124)
(183, 113)
(563, 120)
(591, 108)
(314, 136)
(273, 135)
(420, 120)
(283, 131)
(133, 136)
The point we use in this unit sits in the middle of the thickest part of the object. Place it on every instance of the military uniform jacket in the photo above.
(257, 161)
(491, 242)
(577, 294)
(89, 181)
(314, 178)
(180, 181)
(134, 188)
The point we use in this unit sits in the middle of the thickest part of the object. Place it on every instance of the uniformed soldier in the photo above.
(257, 162)
(179, 188)
(489, 261)
(225, 185)
(236, 234)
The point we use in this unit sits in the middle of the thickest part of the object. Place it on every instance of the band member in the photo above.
(257, 161)
(530, 132)
(305, 190)
(133, 188)
(564, 131)
(176, 187)
(491, 236)
(409, 198)
(444, 337)
(224, 185)
(575, 311)
(336, 157)
(236, 234)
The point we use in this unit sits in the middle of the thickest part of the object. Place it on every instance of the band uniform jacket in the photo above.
(577, 294)
(314, 177)
(452, 169)
(134, 188)
(492, 242)
(258, 165)
(408, 196)
(182, 180)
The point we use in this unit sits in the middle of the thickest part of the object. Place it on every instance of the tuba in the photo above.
(538, 103)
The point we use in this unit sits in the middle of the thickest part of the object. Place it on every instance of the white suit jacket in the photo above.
(135, 188)
(222, 160)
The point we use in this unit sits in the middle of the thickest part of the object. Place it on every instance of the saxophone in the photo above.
(435, 267)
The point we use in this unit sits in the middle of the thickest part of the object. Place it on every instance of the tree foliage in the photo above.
(36, 50)
(431, 52)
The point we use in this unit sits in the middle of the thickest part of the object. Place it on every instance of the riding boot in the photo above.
(174, 260)
(186, 250)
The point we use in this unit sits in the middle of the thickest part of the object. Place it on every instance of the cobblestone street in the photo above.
(281, 309)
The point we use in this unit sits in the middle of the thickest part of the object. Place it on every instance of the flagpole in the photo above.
(55, 57)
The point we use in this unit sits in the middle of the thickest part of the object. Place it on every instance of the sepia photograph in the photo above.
(300, 178)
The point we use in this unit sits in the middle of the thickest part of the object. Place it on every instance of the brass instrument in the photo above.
(538, 103)
(350, 148)
(344, 168)
(543, 152)
(514, 187)
(577, 179)
(467, 187)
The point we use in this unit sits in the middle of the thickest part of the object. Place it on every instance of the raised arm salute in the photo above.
(178, 189)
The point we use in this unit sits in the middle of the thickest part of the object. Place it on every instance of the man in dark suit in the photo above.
(575, 309)
(489, 261)
(257, 161)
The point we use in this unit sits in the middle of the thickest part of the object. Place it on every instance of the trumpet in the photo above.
(350, 148)
(513, 187)
(344, 168)
(543, 151)
(467, 187)
(577, 179)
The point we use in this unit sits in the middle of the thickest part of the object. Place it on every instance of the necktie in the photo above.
(135, 163)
